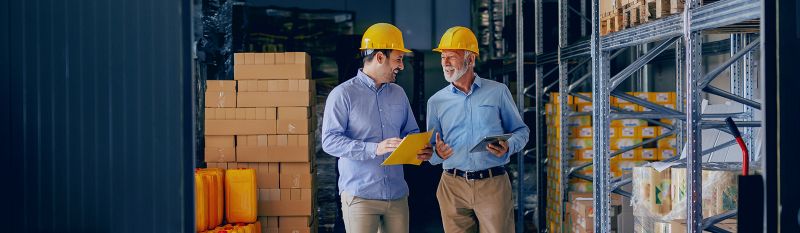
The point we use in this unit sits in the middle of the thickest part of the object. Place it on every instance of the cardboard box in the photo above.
(580, 143)
(654, 189)
(628, 107)
(274, 148)
(619, 143)
(220, 149)
(220, 99)
(584, 107)
(294, 230)
(582, 213)
(296, 168)
(285, 202)
(668, 142)
(240, 121)
(253, 85)
(267, 174)
(297, 58)
(649, 154)
(629, 132)
(679, 226)
(583, 132)
(631, 155)
(662, 97)
(296, 180)
(554, 98)
(649, 131)
(294, 113)
(240, 127)
(217, 165)
(295, 221)
(272, 71)
(268, 222)
(666, 153)
(293, 126)
(296, 175)
(584, 154)
(273, 99)
(221, 85)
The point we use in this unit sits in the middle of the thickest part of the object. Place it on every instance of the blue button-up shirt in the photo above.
(358, 117)
(463, 119)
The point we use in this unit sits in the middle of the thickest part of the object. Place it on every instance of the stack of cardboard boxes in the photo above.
(623, 133)
(262, 120)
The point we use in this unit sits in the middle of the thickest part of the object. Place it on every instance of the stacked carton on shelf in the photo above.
(262, 120)
(578, 145)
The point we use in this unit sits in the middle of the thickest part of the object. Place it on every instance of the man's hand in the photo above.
(425, 153)
(443, 150)
(387, 146)
(498, 151)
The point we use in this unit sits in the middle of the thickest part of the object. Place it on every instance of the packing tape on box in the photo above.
(222, 154)
(221, 99)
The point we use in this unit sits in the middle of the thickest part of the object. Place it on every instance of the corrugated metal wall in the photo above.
(97, 115)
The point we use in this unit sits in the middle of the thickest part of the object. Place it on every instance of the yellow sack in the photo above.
(201, 202)
(240, 195)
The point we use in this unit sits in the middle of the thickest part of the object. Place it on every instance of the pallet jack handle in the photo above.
(738, 136)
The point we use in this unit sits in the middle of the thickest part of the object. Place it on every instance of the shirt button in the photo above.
(380, 110)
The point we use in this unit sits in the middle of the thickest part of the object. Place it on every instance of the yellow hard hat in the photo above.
(383, 36)
(458, 38)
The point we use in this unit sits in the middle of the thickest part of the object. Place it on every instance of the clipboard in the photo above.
(406, 152)
(481, 146)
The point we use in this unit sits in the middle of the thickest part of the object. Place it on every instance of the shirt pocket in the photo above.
(488, 115)
(396, 113)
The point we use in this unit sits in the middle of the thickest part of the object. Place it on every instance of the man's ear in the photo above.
(380, 57)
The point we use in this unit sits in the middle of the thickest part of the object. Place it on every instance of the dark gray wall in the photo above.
(367, 12)
(97, 117)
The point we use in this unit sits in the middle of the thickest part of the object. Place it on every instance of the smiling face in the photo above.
(455, 63)
(386, 67)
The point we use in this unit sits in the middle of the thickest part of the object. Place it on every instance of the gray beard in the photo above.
(456, 75)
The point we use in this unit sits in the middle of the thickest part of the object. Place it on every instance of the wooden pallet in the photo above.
(611, 22)
(635, 13)
(658, 8)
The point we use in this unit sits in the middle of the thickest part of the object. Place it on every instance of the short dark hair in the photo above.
(369, 57)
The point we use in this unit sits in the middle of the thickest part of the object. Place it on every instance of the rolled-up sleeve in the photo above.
(334, 125)
(512, 122)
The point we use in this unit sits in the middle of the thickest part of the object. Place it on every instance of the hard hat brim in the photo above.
(398, 49)
(442, 49)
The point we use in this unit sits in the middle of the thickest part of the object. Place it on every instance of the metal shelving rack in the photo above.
(681, 32)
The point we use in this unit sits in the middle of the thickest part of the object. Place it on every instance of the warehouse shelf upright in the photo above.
(681, 32)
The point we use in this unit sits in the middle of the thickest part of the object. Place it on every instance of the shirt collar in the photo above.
(475, 85)
(366, 80)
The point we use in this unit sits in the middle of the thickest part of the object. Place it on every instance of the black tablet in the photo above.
(481, 146)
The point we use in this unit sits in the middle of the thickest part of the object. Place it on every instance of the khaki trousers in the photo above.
(370, 216)
(476, 205)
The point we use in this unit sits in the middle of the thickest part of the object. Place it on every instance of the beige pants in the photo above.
(473, 205)
(370, 216)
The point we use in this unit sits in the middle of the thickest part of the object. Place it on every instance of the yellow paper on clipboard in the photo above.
(406, 153)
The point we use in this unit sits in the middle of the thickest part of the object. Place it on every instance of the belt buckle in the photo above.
(466, 175)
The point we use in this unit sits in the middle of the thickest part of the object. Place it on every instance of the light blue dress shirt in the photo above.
(358, 117)
(463, 119)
